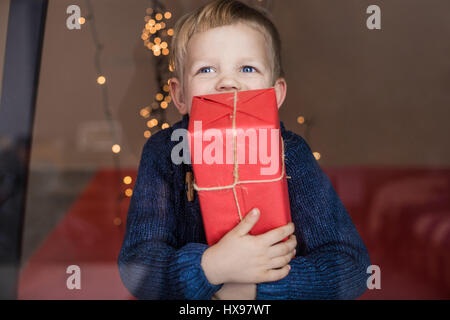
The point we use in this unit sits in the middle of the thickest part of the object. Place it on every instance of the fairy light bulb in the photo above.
(101, 80)
(115, 148)
(127, 180)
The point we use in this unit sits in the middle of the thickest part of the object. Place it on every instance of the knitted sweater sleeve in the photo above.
(331, 259)
(150, 264)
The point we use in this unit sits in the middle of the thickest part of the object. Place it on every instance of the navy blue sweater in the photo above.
(165, 239)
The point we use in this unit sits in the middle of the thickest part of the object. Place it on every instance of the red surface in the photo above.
(403, 216)
(87, 237)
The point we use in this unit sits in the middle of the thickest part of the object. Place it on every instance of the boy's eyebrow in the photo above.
(248, 60)
(251, 61)
(199, 63)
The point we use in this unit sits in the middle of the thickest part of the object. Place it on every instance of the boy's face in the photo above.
(225, 59)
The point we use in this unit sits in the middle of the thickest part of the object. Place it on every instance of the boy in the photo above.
(226, 46)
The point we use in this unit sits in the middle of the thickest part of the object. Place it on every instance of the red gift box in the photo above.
(237, 156)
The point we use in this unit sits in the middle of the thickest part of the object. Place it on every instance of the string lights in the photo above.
(102, 82)
(156, 36)
(308, 123)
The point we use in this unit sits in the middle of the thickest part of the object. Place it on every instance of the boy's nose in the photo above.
(228, 84)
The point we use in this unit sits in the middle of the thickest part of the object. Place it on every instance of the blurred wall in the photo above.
(370, 97)
(4, 13)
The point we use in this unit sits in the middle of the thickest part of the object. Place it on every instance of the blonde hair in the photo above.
(222, 13)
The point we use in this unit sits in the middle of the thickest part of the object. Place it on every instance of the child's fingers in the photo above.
(281, 261)
(276, 274)
(282, 248)
(247, 223)
(276, 235)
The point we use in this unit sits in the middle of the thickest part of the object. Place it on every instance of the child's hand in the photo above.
(242, 258)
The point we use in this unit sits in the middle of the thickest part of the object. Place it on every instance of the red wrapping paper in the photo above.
(255, 109)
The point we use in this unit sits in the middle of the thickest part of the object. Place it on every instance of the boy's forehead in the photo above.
(242, 40)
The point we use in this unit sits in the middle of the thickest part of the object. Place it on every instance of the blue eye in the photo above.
(206, 70)
(248, 69)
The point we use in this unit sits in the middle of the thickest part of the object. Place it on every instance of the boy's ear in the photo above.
(280, 90)
(176, 92)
